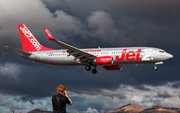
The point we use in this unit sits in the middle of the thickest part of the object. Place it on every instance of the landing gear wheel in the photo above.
(88, 68)
(94, 71)
(155, 67)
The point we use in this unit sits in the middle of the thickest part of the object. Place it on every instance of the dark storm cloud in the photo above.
(158, 12)
(143, 22)
(129, 31)
(139, 8)
(87, 24)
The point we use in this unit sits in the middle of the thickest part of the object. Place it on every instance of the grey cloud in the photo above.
(164, 95)
(103, 27)
(14, 105)
(143, 87)
(144, 98)
(5, 104)
(11, 70)
(27, 98)
(175, 84)
(90, 110)
(61, 22)
(148, 18)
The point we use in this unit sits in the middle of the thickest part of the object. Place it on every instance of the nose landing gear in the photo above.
(157, 63)
(155, 67)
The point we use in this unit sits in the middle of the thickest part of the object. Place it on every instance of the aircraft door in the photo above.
(41, 56)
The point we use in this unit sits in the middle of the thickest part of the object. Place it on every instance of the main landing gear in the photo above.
(88, 68)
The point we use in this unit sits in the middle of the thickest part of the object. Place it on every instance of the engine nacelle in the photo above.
(103, 60)
(113, 67)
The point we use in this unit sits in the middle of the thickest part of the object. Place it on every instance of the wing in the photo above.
(19, 51)
(77, 53)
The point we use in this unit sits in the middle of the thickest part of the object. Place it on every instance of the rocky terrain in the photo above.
(136, 109)
(157, 109)
(39, 111)
(129, 108)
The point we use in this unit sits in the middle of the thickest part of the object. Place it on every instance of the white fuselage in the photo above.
(122, 55)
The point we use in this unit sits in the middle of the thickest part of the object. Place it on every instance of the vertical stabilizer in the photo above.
(29, 42)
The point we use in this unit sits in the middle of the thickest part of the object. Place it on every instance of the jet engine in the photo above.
(103, 60)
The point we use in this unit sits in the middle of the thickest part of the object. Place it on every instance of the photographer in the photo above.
(60, 100)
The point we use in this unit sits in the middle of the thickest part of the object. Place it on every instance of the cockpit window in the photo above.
(162, 51)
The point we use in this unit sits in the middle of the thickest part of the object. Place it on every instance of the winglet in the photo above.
(50, 37)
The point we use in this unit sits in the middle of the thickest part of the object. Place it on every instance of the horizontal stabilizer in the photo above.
(19, 51)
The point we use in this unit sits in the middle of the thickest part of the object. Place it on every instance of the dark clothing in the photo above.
(59, 106)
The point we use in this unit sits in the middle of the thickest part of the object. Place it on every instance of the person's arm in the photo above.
(65, 93)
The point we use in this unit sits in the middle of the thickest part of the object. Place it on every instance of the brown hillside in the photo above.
(157, 109)
(127, 109)
(39, 111)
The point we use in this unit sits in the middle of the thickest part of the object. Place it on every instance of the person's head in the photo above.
(60, 89)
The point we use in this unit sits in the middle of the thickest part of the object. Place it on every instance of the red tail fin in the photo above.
(29, 42)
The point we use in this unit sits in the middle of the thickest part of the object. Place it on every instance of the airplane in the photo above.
(108, 58)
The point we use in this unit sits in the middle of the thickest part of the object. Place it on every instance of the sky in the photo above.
(25, 85)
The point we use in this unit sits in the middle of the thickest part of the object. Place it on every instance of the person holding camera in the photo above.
(60, 100)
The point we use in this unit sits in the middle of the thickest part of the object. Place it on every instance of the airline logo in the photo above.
(130, 56)
(30, 37)
(105, 60)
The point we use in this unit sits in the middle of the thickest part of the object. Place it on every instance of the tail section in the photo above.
(29, 42)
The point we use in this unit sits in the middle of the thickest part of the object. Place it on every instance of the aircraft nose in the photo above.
(170, 56)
